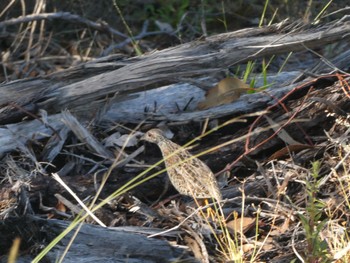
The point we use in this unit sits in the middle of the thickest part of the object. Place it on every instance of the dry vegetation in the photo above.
(281, 154)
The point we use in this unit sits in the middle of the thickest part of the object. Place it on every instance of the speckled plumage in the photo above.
(189, 175)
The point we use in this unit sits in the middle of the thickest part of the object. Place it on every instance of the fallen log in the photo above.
(92, 243)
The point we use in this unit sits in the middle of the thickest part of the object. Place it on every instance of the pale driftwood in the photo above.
(85, 95)
(167, 103)
(12, 136)
(96, 244)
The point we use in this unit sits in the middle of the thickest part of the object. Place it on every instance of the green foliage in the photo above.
(169, 11)
(249, 74)
(317, 249)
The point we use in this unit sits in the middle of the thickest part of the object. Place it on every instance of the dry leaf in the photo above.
(278, 230)
(241, 223)
(61, 207)
(226, 91)
(248, 247)
(285, 151)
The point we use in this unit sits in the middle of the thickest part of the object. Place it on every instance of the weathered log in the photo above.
(69, 89)
(93, 243)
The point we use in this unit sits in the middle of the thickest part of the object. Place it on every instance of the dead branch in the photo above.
(101, 26)
(197, 58)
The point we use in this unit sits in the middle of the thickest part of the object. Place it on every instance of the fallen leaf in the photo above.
(226, 91)
(248, 247)
(61, 207)
(287, 150)
(241, 224)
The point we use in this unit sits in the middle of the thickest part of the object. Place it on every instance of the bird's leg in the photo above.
(210, 211)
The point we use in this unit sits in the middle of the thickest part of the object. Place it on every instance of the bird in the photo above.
(189, 175)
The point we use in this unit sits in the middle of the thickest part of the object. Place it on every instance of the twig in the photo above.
(102, 26)
(141, 35)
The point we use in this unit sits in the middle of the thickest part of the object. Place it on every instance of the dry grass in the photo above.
(276, 210)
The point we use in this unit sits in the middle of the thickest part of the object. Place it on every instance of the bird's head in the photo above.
(153, 136)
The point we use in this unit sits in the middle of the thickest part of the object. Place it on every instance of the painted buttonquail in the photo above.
(189, 175)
